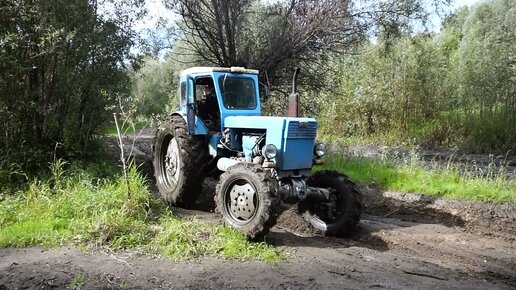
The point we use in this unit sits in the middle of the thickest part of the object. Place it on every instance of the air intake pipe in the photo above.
(293, 99)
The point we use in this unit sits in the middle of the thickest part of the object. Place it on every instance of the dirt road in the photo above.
(404, 241)
(384, 253)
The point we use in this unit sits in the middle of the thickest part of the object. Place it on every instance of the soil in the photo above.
(404, 241)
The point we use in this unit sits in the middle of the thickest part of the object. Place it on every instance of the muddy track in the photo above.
(404, 241)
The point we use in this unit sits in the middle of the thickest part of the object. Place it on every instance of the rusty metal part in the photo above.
(293, 99)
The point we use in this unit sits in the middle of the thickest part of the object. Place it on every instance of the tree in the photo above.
(62, 63)
(277, 37)
(154, 86)
(452, 88)
(487, 73)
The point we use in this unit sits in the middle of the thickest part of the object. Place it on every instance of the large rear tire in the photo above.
(339, 215)
(247, 199)
(179, 159)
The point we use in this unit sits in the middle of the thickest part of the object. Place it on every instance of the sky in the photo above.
(460, 3)
(436, 21)
(156, 10)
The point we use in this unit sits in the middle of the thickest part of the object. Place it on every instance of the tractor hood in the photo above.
(293, 137)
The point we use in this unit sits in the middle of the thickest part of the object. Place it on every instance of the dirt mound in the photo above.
(291, 221)
(478, 217)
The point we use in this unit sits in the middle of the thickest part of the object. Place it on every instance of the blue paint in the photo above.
(200, 128)
(295, 151)
(224, 112)
(248, 144)
(214, 140)
(298, 143)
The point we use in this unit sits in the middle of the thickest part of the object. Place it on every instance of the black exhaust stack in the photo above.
(293, 99)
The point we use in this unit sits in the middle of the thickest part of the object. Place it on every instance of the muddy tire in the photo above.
(346, 202)
(246, 197)
(179, 159)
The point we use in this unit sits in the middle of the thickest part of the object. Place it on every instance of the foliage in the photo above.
(76, 206)
(76, 283)
(487, 75)
(275, 37)
(154, 89)
(62, 64)
(451, 88)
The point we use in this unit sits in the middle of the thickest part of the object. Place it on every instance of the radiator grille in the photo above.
(303, 130)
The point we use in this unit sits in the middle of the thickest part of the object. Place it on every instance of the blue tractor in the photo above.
(264, 160)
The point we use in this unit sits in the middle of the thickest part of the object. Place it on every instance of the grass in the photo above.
(76, 283)
(475, 131)
(76, 207)
(413, 177)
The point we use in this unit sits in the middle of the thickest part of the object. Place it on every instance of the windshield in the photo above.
(238, 93)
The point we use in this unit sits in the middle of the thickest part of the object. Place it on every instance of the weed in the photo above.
(76, 283)
(74, 206)
(124, 285)
(58, 171)
(128, 129)
(182, 240)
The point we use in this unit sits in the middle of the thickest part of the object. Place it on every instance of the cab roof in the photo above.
(207, 69)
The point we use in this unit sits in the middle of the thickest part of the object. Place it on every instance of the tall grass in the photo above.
(74, 206)
(412, 176)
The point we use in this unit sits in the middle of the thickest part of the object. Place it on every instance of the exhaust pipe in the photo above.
(293, 99)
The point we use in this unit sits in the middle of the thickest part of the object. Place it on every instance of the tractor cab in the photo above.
(210, 94)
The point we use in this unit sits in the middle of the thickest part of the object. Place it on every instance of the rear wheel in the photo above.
(179, 159)
(246, 198)
(338, 215)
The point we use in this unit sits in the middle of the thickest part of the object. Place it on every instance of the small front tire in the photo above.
(246, 198)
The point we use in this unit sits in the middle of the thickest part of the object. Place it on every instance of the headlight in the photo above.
(319, 150)
(269, 151)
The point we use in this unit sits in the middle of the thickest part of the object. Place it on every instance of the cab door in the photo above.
(190, 105)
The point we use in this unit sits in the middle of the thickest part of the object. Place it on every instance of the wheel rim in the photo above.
(241, 201)
(323, 213)
(171, 165)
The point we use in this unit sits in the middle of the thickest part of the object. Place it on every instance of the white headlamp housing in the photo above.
(319, 150)
(269, 151)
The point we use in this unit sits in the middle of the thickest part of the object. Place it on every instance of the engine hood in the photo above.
(294, 137)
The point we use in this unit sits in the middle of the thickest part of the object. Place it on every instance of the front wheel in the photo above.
(246, 198)
(338, 215)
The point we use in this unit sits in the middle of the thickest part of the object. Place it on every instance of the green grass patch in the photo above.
(413, 177)
(74, 206)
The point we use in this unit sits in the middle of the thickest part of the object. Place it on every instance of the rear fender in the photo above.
(200, 128)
